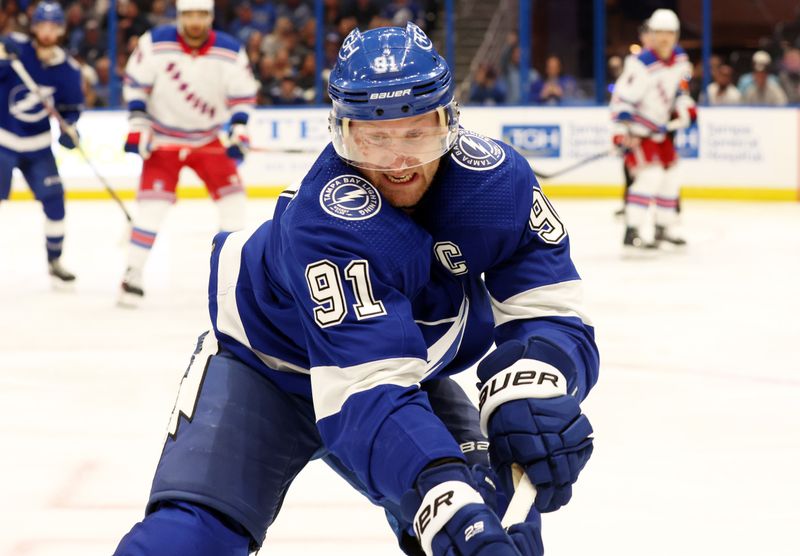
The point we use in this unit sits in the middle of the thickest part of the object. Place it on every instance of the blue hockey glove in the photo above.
(238, 142)
(68, 138)
(451, 519)
(532, 421)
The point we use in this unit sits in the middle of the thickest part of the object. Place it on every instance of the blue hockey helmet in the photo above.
(48, 11)
(391, 73)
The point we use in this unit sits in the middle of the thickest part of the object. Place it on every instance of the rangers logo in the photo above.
(350, 197)
(477, 152)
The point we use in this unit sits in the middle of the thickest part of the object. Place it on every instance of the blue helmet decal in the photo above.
(389, 73)
(48, 11)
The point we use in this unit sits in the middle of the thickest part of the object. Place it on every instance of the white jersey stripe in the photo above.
(563, 299)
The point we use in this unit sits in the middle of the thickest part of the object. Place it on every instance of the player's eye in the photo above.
(377, 139)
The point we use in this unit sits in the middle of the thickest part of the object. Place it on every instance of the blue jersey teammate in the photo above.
(24, 122)
(407, 250)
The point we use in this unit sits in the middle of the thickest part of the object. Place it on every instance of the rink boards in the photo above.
(731, 153)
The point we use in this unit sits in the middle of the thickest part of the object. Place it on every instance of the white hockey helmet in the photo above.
(663, 20)
(194, 5)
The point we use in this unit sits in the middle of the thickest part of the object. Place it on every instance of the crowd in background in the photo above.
(279, 36)
(739, 78)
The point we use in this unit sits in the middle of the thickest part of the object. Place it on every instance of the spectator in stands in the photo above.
(253, 49)
(332, 43)
(287, 93)
(298, 12)
(722, 92)
(332, 14)
(555, 87)
(93, 45)
(281, 36)
(307, 75)
(763, 91)
(131, 20)
(614, 70)
(789, 75)
(509, 68)
(761, 58)
(74, 31)
(485, 87)
(400, 12)
(242, 27)
(362, 10)
(102, 88)
(264, 15)
(158, 14)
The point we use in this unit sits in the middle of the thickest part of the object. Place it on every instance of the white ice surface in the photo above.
(697, 412)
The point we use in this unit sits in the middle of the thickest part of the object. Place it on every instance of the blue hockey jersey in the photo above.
(349, 300)
(24, 122)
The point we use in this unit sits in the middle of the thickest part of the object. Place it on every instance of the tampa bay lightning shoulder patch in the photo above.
(350, 197)
(476, 152)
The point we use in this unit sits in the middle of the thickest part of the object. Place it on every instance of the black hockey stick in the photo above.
(33, 87)
(571, 167)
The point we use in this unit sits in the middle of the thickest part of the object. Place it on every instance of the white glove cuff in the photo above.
(439, 506)
(526, 378)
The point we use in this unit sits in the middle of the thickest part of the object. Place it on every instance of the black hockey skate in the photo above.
(132, 292)
(664, 237)
(633, 243)
(61, 277)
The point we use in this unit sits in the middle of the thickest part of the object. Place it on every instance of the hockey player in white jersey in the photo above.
(183, 83)
(650, 101)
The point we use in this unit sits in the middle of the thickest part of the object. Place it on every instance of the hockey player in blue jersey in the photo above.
(24, 122)
(409, 248)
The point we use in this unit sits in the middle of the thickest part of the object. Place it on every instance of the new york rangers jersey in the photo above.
(189, 94)
(349, 300)
(649, 90)
(24, 121)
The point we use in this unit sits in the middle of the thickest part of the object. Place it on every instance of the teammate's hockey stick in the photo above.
(33, 87)
(523, 499)
(571, 167)
(214, 149)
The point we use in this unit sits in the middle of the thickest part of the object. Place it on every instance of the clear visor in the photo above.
(390, 145)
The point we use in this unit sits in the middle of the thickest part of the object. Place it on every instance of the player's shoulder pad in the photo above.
(20, 38)
(225, 41)
(164, 33)
(485, 179)
(337, 206)
(73, 63)
(477, 153)
(647, 57)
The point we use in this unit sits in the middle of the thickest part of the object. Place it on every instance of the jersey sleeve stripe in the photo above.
(564, 299)
(332, 386)
(228, 320)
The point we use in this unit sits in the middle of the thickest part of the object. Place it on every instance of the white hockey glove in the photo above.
(140, 135)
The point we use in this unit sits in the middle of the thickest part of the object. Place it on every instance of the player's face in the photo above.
(403, 170)
(664, 42)
(195, 26)
(47, 33)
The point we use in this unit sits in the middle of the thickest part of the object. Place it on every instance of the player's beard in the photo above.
(195, 35)
(405, 195)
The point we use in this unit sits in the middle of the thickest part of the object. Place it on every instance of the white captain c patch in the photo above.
(350, 197)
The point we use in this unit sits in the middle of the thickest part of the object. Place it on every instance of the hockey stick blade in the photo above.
(524, 496)
(213, 149)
